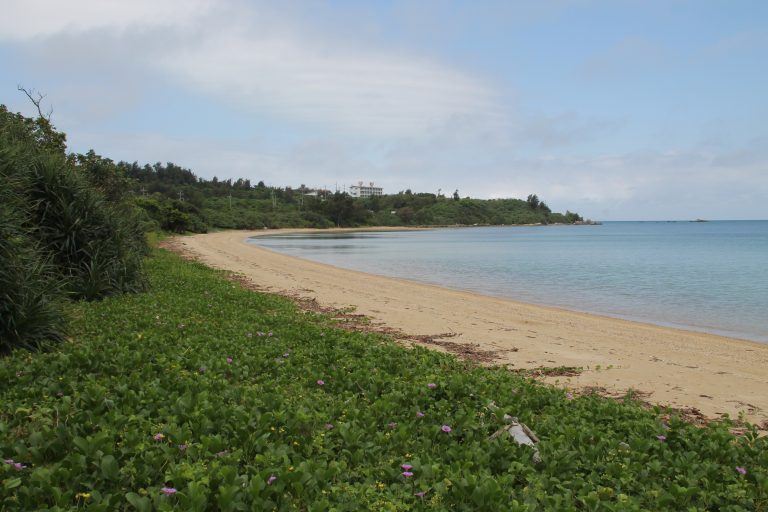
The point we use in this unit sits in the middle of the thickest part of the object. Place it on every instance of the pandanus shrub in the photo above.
(60, 238)
(30, 292)
(97, 247)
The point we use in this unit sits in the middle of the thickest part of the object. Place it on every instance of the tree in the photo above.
(406, 214)
(533, 201)
(456, 195)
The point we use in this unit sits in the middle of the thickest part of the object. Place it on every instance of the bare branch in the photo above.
(36, 98)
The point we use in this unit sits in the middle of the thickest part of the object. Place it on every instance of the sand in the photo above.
(671, 367)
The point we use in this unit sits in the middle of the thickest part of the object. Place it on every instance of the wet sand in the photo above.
(683, 369)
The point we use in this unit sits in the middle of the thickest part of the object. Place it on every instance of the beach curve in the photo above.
(688, 370)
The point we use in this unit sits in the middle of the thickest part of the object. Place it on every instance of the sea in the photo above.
(702, 276)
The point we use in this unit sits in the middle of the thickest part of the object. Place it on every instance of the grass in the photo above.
(142, 397)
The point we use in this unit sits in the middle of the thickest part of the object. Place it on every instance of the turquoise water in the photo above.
(708, 276)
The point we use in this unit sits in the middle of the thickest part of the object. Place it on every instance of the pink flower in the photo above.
(320, 382)
(271, 479)
(159, 436)
(419, 414)
(9, 462)
(392, 425)
(259, 333)
(569, 396)
(406, 467)
(286, 354)
(741, 470)
(329, 426)
(420, 494)
(407, 474)
(446, 428)
(661, 438)
(168, 491)
(182, 447)
(431, 385)
(229, 360)
(18, 466)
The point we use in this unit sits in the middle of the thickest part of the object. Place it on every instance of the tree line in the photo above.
(178, 200)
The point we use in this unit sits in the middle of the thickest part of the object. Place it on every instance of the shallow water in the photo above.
(707, 276)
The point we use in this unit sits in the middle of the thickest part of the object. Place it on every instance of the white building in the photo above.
(361, 190)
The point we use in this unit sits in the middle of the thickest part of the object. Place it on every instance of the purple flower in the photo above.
(182, 447)
(446, 428)
(329, 426)
(407, 474)
(201, 369)
(286, 354)
(10, 462)
(229, 360)
(168, 491)
(569, 396)
(406, 467)
(270, 334)
(431, 385)
(320, 382)
(391, 425)
(661, 438)
(741, 470)
(271, 479)
(419, 414)
(18, 466)
(159, 436)
(420, 494)
(259, 333)
(222, 453)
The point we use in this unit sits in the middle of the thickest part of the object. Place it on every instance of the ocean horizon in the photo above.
(702, 276)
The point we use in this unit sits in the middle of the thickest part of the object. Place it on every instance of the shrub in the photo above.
(98, 247)
(59, 236)
(30, 294)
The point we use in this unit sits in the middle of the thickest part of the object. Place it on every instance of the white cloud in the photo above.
(263, 59)
(329, 84)
(35, 19)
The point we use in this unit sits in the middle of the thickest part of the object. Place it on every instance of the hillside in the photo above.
(178, 200)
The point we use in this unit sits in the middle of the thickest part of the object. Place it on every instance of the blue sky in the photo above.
(615, 109)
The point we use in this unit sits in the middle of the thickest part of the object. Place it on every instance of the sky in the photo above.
(619, 110)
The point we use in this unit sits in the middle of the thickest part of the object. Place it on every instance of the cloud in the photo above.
(330, 84)
(261, 59)
(38, 19)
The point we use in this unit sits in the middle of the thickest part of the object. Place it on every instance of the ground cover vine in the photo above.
(202, 395)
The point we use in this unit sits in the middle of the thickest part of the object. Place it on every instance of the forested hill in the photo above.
(178, 200)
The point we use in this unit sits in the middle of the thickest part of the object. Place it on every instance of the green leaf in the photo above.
(142, 504)
(12, 483)
(109, 467)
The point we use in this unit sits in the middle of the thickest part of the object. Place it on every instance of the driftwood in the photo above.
(521, 434)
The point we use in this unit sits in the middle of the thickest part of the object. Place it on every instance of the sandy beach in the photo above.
(683, 369)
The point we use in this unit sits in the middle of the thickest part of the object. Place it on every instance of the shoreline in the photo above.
(668, 366)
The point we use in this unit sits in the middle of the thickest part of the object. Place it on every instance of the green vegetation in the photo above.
(201, 395)
(179, 201)
(61, 236)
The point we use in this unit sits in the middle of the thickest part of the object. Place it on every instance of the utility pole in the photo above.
(274, 199)
(181, 196)
(230, 201)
